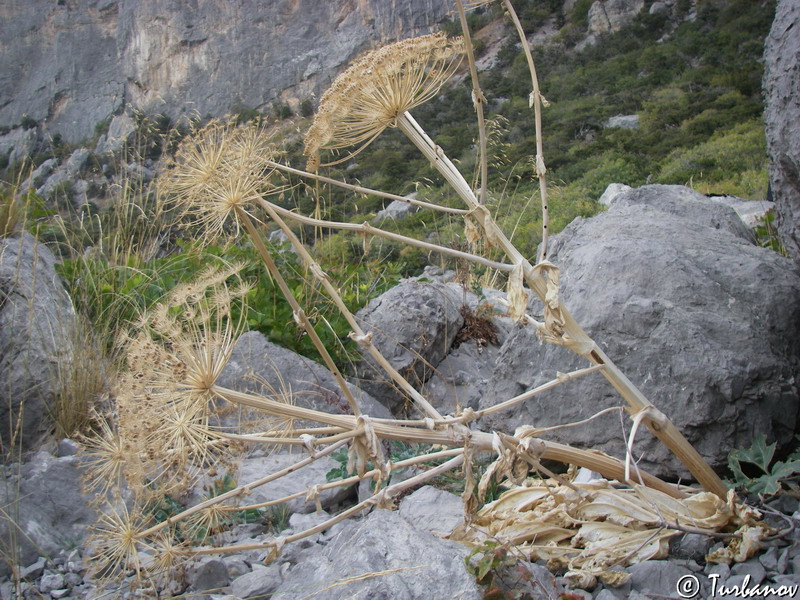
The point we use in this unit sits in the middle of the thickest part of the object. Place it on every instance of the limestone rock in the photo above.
(417, 565)
(612, 191)
(46, 506)
(702, 321)
(623, 122)
(611, 15)
(80, 62)
(397, 209)
(413, 325)
(782, 119)
(260, 366)
(302, 480)
(36, 320)
(434, 510)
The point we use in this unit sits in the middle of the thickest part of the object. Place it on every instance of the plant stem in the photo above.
(536, 101)
(578, 340)
(373, 351)
(478, 100)
(299, 313)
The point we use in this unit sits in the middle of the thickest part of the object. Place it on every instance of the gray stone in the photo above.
(781, 118)
(382, 557)
(56, 182)
(62, 593)
(397, 209)
(18, 143)
(690, 545)
(751, 212)
(656, 577)
(301, 480)
(623, 122)
(301, 521)
(659, 8)
(258, 365)
(34, 570)
(76, 161)
(236, 566)
(41, 173)
(51, 581)
(207, 574)
(612, 191)
(753, 568)
(258, 584)
(611, 15)
(67, 447)
(46, 510)
(769, 559)
(119, 131)
(36, 321)
(701, 320)
(433, 510)
(606, 595)
(413, 325)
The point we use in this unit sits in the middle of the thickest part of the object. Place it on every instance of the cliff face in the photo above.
(72, 63)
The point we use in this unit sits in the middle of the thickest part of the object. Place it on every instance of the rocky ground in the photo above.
(384, 554)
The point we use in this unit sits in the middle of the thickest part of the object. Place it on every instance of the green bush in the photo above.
(738, 149)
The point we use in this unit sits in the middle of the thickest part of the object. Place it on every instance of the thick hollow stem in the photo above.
(367, 229)
(365, 191)
(482, 442)
(477, 100)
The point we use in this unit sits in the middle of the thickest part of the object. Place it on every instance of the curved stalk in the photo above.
(536, 103)
(478, 100)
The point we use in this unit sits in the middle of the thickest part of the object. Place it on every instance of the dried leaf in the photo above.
(517, 296)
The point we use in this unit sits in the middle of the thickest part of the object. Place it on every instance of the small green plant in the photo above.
(768, 477)
(493, 564)
(767, 235)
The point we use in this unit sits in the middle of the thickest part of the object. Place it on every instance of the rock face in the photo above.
(75, 63)
(36, 320)
(610, 15)
(782, 120)
(419, 565)
(702, 321)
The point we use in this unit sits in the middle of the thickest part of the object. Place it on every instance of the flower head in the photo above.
(377, 88)
(218, 172)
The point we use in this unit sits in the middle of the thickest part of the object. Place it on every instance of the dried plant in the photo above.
(379, 87)
(170, 392)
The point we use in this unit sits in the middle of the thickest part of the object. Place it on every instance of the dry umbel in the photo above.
(170, 393)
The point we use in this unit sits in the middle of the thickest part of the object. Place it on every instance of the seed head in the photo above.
(377, 88)
(219, 172)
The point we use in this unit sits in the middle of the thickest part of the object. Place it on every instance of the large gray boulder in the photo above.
(44, 511)
(382, 557)
(782, 119)
(701, 320)
(413, 325)
(258, 365)
(36, 333)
